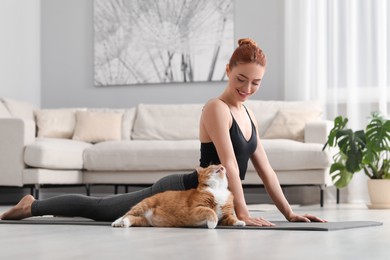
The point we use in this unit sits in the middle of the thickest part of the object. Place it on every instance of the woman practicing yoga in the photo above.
(229, 136)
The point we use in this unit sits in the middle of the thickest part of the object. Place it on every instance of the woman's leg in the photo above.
(103, 208)
(98, 208)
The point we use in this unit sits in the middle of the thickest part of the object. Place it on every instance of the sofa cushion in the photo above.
(266, 111)
(55, 123)
(60, 123)
(127, 119)
(128, 123)
(286, 154)
(290, 124)
(96, 127)
(53, 153)
(142, 155)
(167, 122)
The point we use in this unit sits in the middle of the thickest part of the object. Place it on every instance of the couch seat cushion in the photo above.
(286, 154)
(156, 155)
(55, 153)
(143, 155)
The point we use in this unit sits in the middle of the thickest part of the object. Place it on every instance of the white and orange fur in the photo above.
(211, 203)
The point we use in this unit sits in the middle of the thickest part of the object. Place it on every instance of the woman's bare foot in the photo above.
(21, 210)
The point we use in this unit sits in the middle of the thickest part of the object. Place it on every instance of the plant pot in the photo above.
(379, 191)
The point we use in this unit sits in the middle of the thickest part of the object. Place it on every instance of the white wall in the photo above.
(67, 58)
(20, 76)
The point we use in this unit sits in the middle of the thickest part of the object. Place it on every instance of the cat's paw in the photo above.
(121, 222)
(211, 224)
(239, 223)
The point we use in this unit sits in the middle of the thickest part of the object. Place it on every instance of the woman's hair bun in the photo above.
(246, 41)
(247, 52)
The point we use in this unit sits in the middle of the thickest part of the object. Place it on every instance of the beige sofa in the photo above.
(139, 145)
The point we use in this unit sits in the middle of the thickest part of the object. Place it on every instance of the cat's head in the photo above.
(214, 176)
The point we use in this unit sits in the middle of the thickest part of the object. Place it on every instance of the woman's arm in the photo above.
(216, 121)
(271, 183)
(270, 180)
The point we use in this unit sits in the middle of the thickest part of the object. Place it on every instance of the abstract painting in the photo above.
(161, 41)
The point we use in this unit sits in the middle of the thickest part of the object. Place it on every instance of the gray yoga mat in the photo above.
(279, 225)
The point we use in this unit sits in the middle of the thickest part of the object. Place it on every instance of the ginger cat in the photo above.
(210, 204)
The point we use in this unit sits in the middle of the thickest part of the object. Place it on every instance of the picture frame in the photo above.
(161, 41)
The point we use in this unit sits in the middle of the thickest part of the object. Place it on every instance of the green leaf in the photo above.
(340, 175)
(338, 124)
(371, 155)
(377, 148)
(344, 138)
(354, 160)
(386, 169)
(378, 134)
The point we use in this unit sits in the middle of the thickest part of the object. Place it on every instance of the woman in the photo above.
(228, 135)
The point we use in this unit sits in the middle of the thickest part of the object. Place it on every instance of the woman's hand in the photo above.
(250, 221)
(304, 218)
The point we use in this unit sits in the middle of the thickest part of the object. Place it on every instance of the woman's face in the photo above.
(244, 79)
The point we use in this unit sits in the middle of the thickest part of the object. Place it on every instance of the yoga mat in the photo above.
(312, 226)
(279, 225)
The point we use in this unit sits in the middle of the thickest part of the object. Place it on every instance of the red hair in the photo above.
(247, 52)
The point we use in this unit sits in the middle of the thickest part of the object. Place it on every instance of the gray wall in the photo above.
(67, 58)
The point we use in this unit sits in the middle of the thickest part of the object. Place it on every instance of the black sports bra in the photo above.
(243, 150)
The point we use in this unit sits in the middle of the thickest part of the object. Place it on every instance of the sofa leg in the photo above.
(88, 189)
(35, 191)
(116, 189)
(126, 188)
(321, 196)
(338, 196)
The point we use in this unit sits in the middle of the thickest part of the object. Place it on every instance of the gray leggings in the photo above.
(102, 208)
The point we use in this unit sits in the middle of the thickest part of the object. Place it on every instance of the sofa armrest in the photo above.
(15, 134)
(318, 131)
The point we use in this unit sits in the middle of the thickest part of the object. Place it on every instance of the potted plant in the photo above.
(363, 150)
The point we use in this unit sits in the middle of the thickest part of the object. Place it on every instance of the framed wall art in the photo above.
(161, 41)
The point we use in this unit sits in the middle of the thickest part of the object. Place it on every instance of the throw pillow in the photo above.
(266, 110)
(290, 124)
(97, 127)
(127, 118)
(55, 123)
